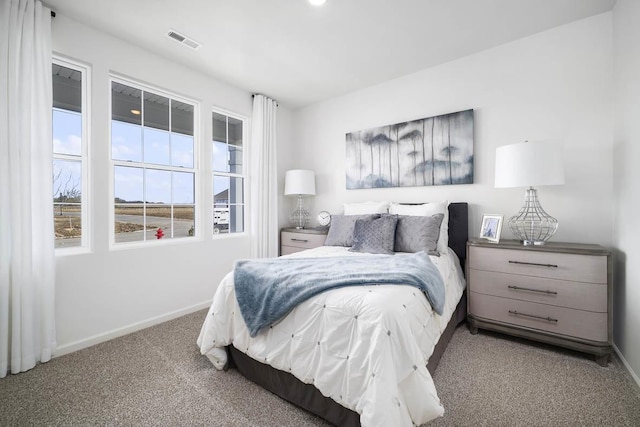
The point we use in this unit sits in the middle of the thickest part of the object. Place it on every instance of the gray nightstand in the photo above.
(558, 293)
(296, 240)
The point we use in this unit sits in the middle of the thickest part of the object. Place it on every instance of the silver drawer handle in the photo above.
(300, 240)
(533, 263)
(548, 319)
(518, 288)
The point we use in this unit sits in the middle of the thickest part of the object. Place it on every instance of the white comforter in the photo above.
(365, 347)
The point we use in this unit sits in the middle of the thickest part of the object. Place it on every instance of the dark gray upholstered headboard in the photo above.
(459, 230)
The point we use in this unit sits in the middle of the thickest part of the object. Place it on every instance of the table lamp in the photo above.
(300, 183)
(530, 164)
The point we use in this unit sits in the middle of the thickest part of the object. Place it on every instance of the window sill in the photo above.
(62, 252)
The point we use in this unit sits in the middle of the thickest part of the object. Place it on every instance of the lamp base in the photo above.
(532, 242)
(532, 225)
(300, 217)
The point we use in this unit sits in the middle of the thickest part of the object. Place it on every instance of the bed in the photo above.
(364, 390)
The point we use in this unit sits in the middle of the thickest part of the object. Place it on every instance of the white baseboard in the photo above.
(626, 365)
(97, 339)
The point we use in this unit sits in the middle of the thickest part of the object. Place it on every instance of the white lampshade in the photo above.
(299, 182)
(529, 164)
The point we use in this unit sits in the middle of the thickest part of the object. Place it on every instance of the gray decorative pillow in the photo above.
(375, 236)
(341, 229)
(418, 233)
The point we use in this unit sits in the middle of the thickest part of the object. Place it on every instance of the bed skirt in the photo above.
(307, 396)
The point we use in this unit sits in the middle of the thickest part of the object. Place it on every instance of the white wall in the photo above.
(106, 293)
(556, 85)
(626, 15)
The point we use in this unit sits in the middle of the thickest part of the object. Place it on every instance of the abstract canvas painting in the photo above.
(432, 151)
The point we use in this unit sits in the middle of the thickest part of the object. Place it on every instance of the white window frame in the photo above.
(244, 175)
(113, 245)
(85, 205)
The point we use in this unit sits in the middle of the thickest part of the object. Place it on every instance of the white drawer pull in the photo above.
(518, 288)
(533, 263)
(548, 319)
(299, 240)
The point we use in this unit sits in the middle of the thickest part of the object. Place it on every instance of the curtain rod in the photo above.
(253, 95)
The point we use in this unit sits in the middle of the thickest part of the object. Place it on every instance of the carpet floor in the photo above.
(157, 377)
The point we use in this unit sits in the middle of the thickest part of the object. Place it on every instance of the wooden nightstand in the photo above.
(296, 240)
(558, 293)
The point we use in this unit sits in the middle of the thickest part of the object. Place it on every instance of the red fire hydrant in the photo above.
(159, 233)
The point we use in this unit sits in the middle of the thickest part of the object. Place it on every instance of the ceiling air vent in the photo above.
(181, 38)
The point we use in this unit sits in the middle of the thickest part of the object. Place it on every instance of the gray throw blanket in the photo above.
(268, 289)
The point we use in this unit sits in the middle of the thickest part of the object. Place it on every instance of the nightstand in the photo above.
(557, 293)
(296, 240)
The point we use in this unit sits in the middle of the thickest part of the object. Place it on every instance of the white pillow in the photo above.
(428, 209)
(365, 208)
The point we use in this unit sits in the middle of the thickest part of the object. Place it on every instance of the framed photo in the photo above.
(491, 227)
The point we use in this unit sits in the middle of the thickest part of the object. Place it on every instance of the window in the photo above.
(154, 170)
(228, 174)
(69, 130)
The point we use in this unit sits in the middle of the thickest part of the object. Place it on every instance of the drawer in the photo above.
(301, 240)
(561, 266)
(286, 250)
(573, 323)
(563, 293)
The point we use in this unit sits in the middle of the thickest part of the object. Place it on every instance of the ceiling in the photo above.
(300, 54)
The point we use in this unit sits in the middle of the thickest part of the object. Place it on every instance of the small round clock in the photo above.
(324, 218)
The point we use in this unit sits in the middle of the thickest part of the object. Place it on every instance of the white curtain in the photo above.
(27, 262)
(264, 179)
